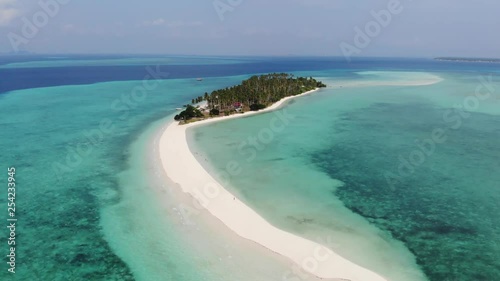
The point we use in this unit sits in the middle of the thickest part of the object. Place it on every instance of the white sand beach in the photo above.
(182, 168)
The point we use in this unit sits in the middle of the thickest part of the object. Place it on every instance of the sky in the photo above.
(388, 28)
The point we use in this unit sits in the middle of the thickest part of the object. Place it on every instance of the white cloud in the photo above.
(184, 24)
(8, 12)
(155, 22)
(68, 27)
(7, 2)
(171, 24)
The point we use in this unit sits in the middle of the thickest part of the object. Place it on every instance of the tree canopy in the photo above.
(189, 113)
(254, 94)
(260, 90)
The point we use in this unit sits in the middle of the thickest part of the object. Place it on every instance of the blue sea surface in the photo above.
(91, 204)
(359, 163)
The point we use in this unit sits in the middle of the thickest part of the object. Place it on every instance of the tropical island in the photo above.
(253, 94)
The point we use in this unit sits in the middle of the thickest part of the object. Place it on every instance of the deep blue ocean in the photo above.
(43, 76)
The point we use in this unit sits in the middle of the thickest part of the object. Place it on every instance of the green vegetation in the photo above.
(257, 107)
(254, 94)
(198, 99)
(189, 113)
(264, 89)
(214, 111)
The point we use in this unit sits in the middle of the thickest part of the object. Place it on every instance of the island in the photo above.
(183, 169)
(485, 60)
(253, 94)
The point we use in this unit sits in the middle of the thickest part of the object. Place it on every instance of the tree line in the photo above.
(255, 93)
(264, 89)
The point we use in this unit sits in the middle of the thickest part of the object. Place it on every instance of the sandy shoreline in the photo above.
(182, 168)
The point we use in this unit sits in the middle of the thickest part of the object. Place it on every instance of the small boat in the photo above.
(199, 79)
(178, 108)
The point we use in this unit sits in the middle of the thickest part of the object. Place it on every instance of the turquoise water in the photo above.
(327, 171)
(59, 212)
(94, 204)
(68, 201)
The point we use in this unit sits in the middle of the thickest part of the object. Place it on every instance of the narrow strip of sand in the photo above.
(182, 168)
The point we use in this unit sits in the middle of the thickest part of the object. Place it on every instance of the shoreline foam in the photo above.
(183, 168)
